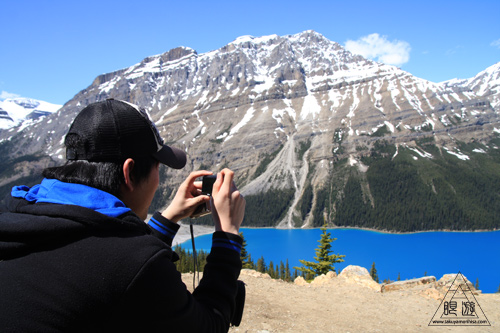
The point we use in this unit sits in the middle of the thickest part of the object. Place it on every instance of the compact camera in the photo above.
(207, 185)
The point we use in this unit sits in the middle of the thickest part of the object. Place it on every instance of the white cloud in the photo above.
(5, 95)
(496, 43)
(379, 48)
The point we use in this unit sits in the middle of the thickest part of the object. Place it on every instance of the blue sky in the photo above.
(50, 50)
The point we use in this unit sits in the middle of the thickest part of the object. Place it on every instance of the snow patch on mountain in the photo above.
(25, 111)
(246, 118)
(457, 153)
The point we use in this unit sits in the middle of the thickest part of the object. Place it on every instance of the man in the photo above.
(76, 255)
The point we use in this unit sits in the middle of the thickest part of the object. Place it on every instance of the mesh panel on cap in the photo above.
(114, 130)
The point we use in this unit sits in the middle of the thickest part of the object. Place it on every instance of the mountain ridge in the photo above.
(283, 112)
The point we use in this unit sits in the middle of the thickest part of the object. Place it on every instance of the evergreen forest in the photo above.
(400, 191)
(281, 270)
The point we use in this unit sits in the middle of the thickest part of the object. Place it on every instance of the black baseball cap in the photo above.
(113, 130)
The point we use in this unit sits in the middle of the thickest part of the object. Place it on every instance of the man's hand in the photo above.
(228, 205)
(187, 198)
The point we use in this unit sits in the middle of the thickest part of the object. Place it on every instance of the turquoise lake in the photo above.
(475, 254)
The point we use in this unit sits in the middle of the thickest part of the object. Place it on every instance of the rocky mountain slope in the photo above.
(288, 114)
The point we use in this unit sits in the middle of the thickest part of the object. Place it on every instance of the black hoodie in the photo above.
(66, 268)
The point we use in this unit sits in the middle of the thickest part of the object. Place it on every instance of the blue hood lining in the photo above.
(58, 192)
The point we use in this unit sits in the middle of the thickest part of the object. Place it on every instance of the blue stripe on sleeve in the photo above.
(226, 243)
(161, 228)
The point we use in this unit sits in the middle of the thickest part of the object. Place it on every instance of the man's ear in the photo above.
(128, 166)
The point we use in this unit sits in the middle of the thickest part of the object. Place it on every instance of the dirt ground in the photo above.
(277, 306)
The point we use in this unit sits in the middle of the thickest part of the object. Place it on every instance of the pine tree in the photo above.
(271, 269)
(261, 265)
(246, 259)
(477, 284)
(399, 276)
(373, 273)
(186, 262)
(324, 259)
(250, 262)
(287, 272)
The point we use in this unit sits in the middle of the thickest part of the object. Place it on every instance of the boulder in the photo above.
(254, 273)
(407, 284)
(444, 284)
(324, 278)
(360, 276)
(353, 270)
(331, 274)
(300, 281)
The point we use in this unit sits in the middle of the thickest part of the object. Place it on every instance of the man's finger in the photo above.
(198, 200)
(228, 180)
(217, 184)
(196, 174)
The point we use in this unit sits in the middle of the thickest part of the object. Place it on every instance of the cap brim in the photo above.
(171, 156)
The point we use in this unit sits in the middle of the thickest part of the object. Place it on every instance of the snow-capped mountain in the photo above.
(283, 111)
(486, 84)
(25, 111)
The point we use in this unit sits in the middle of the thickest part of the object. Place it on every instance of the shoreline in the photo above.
(415, 232)
(184, 234)
(378, 230)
